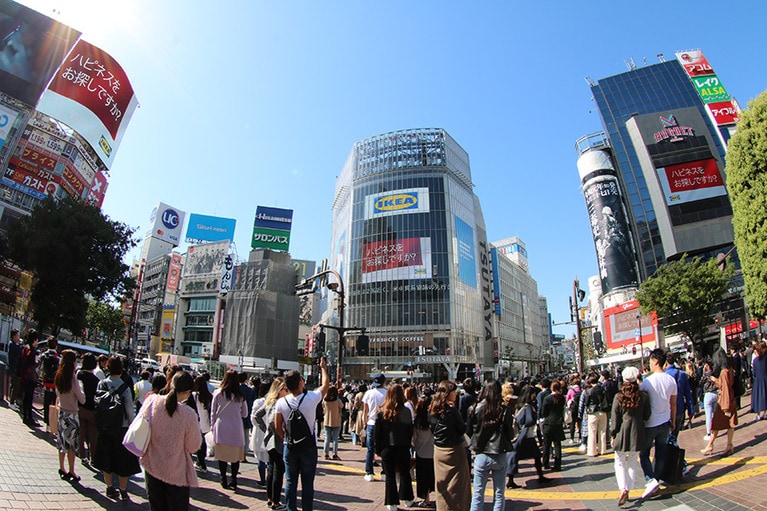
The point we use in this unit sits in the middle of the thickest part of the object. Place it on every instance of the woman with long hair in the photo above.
(393, 431)
(357, 417)
(526, 446)
(631, 408)
(264, 420)
(553, 415)
(572, 400)
(451, 468)
(759, 386)
(175, 436)
(491, 428)
(411, 399)
(202, 400)
(87, 411)
(726, 412)
(710, 395)
(331, 407)
(256, 433)
(423, 444)
(69, 395)
(692, 377)
(227, 411)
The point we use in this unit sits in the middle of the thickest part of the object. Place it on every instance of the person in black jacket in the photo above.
(491, 427)
(553, 415)
(525, 447)
(392, 433)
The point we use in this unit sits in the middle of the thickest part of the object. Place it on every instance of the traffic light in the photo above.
(321, 342)
(634, 350)
(363, 345)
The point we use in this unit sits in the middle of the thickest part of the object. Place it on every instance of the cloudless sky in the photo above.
(247, 103)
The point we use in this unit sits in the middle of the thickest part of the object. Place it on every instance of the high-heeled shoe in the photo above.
(63, 475)
(728, 450)
(708, 451)
(624, 497)
(74, 477)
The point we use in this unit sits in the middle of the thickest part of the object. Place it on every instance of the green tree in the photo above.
(75, 253)
(685, 294)
(747, 186)
(104, 318)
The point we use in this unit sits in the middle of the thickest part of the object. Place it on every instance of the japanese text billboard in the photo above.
(397, 202)
(210, 228)
(92, 94)
(32, 47)
(723, 109)
(174, 272)
(467, 261)
(623, 326)
(694, 63)
(724, 112)
(710, 88)
(270, 238)
(398, 259)
(271, 228)
(691, 181)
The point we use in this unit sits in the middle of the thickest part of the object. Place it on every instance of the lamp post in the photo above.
(639, 336)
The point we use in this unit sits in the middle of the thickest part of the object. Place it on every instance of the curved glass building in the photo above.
(409, 241)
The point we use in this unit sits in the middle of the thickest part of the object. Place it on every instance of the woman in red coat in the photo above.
(726, 412)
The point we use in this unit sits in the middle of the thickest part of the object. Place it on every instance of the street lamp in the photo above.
(639, 336)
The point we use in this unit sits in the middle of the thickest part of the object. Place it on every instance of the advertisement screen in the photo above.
(397, 202)
(691, 181)
(710, 88)
(207, 259)
(400, 259)
(32, 47)
(467, 262)
(92, 94)
(210, 228)
(724, 112)
(623, 327)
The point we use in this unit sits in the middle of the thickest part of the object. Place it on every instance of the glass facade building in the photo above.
(409, 240)
(654, 90)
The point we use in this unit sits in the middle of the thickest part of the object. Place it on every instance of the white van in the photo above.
(147, 364)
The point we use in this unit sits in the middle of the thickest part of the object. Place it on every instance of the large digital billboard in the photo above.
(91, 93)
(32, 47)
(397, 202)
(467, 261)
(623, 327)
(691, 181)
(210, 228)
(271, 228)
(398, 259)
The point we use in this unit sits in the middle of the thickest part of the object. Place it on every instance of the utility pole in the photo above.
(578, 296)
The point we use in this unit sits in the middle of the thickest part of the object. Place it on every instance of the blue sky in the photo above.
(247, 103)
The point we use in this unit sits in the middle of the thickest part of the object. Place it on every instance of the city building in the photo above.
(409, 242)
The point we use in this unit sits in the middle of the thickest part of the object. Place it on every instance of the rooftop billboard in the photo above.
(210, 228)
(92, 94)
(167, 223)
(32, 47)
(271, 228)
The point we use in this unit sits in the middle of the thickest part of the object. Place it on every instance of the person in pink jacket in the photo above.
(175, 436)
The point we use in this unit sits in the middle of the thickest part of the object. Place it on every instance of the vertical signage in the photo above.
(721, 107)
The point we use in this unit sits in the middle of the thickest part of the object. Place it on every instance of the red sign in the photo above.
(724, 112)
(174, 272)
(30, 180)
(72, 177)
(693, 176)
(98, 189)
(33, 169)
(621, 325)
(38, 158)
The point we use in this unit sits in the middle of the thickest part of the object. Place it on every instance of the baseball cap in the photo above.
(630, 374)
(378, 380)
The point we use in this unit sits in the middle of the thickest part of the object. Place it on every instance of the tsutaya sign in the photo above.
(672, 131)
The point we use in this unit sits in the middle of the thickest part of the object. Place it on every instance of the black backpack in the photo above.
(299, 434)
(110, 407)
(50, 365)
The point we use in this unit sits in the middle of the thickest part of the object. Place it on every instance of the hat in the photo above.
(378, 380)
(630, 374)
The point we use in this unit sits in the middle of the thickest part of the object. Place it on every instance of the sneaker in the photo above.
(260, 484)
(14, 407)
(409, 503)
(369, 478)
(111, 492)
(391, 507)
(650, 489)
(279, 507)
(335, 457)
(707, 438)
(582, 448)
(124, 495)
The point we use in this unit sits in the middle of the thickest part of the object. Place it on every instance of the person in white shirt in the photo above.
(141, 389)
(662, 389)
(371, 400)
(300, 461)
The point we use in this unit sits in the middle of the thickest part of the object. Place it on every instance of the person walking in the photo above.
(332, 407)
(227, 410)
(726, 412)
(553, 414)
(662, 389)
(393, 431)
(89, 433)
(372, 399)
(491, 428)
(49, 364)
(451, 469)
(526, 446)
(141, 388)
(175, 436)
(203, 400)
(273, 444)
(300, 457)
(597, 417)
(684, 399)
(759, 381)
(69, 395)
(572, 400)
(423, 444)
(630, 409)
(111, 456)
(357, 416)
(710, 395)
(28, 377)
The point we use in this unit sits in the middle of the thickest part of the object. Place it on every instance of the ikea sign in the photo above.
(397, 202)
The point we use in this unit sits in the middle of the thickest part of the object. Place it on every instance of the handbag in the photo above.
(674, 464)
(210, 445)
(136, 439)
(53, 419)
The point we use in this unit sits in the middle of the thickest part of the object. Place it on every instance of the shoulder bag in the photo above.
(136, 439)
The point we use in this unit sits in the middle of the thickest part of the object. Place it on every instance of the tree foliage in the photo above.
(747, 186)
(105, 322)
(685, 294)
(75, 253)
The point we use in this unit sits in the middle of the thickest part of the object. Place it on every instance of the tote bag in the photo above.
(136, 439)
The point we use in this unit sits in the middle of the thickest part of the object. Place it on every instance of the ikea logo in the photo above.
(399, 202)
(105, 146)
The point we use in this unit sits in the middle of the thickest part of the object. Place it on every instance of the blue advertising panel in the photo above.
(496, 282)
(273, 218)
(210, 228)
(467, 261)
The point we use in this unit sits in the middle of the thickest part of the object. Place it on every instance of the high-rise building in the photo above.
(409, 241)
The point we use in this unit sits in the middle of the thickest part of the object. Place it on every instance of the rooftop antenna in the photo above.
(661, 57)
(630, 64)
(589, 81)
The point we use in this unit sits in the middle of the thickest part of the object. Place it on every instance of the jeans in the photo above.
(303, 463)
(331, 435)
(486, 465)
(370, 441)
(274, 476)
(709, 405)
(657, 435)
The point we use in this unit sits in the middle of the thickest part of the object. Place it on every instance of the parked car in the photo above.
(147, 364)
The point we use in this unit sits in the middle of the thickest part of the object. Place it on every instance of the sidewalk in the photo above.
(29, 479)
